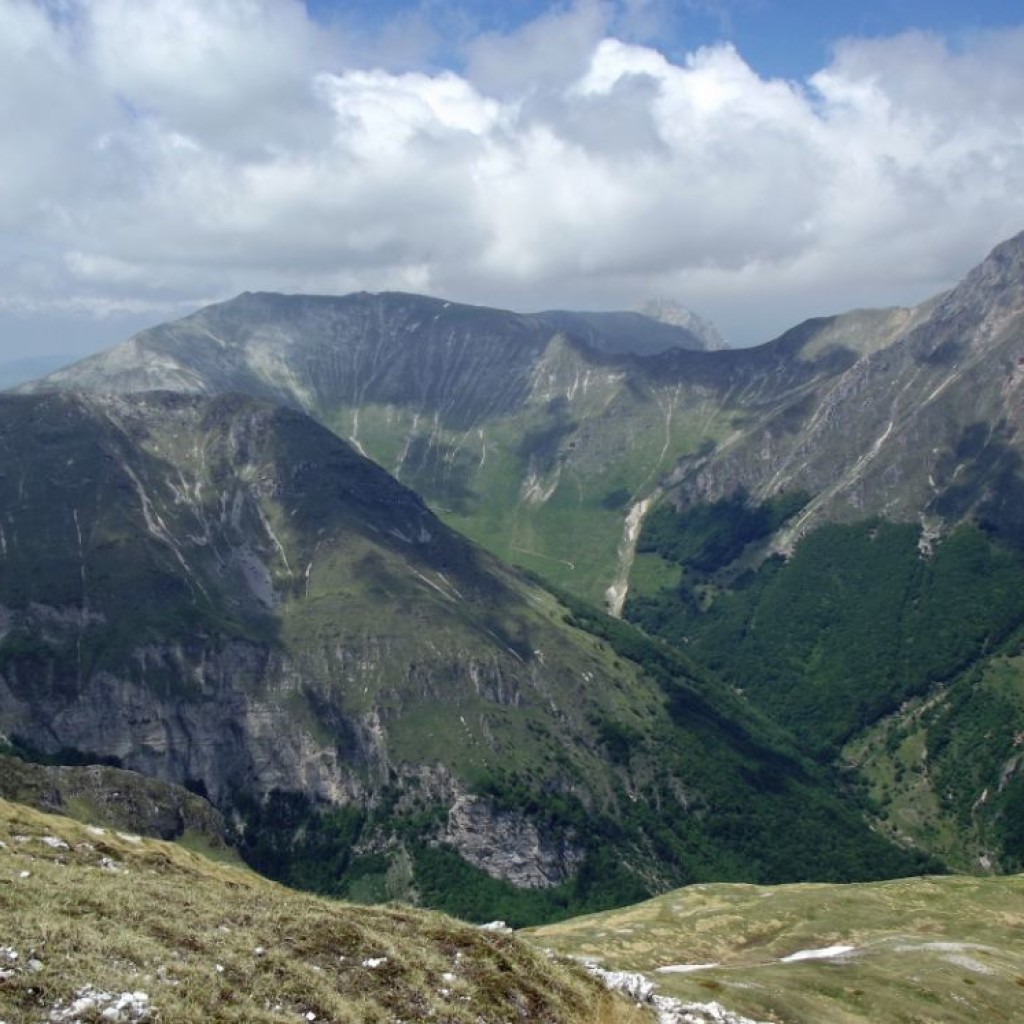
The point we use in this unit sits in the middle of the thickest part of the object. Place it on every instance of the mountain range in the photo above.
(527, 433)
(219, 592)
(206, 577)
(544, 441)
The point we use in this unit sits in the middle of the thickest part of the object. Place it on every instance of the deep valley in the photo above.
(526, 617)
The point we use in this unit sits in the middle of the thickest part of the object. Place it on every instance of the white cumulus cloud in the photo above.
(162, 153)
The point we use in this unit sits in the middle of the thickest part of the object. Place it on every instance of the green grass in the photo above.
(197, 842)
(651, 573)
(892, 764)
(593, 455)
(209, 943)
(926, 950)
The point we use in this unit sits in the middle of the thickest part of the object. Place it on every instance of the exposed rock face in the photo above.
(222, 733)
(509, 846)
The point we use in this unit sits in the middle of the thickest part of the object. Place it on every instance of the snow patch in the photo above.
(684, 968)
(970, 964)
(825, 953)
(942, 947)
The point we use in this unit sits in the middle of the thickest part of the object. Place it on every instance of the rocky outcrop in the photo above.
(109, 796)
(508, 845)
(223, 734)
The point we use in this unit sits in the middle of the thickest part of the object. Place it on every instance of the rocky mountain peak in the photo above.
(997, 283)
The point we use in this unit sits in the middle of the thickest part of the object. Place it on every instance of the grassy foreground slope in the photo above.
(921, 950)
(99, 925)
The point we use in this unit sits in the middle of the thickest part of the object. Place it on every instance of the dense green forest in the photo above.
(710, 536)
(857, 622)
(850, 626)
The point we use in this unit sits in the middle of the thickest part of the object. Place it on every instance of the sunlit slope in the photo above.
(99, 925)
(927, 950)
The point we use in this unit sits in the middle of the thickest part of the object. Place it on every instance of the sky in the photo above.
(757, 161)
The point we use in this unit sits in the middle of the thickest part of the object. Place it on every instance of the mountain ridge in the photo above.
(955, 368)
(527, 439)
(221, 593)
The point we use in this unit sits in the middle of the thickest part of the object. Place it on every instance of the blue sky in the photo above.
(786, 38)
(758, 161)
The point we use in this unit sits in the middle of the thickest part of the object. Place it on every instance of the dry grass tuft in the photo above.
(95, 915)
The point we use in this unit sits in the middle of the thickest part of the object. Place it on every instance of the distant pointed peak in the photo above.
(669, 311)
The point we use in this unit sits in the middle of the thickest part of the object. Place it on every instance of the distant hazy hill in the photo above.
(660, 327)
(18, 371)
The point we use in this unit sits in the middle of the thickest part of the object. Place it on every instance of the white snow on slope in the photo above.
(825, 953)
(683, 968)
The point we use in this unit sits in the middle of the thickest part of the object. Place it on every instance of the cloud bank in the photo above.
(163, 153)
